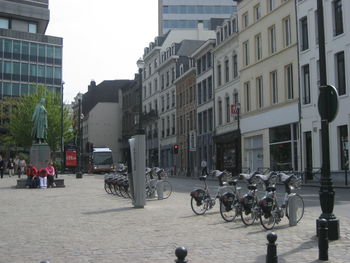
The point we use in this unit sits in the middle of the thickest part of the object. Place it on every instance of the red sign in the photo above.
(71, 158)
(234, 109)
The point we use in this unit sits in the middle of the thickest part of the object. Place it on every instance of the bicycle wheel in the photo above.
(167, 189)
(228, 213)
(299, 206)
(248, 216)
(107, 188)
(198, 207)
(268, 221)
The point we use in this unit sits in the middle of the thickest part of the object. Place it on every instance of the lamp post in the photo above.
(79, 173)
(239, 160)
(62, 155)
(140, 64)
(326, 192)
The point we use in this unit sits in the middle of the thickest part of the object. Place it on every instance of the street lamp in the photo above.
(140, 64)
(62, 155)
(80, 115)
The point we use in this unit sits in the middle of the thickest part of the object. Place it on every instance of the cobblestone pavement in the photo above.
(81, 223)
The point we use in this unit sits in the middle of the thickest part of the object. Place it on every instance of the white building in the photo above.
(337, 45)
(269, 90)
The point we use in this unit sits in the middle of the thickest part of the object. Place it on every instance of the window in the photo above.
(163, 103)
(149, 69)
(173, 75)
(204, 88)
(316, 27)
(340, 71)
(199, 96)
(246, 53)
(199, 66)
(205, 121)
(209, 59)
(235, 66)
(155, 63)
(287, 32)
(259, 92)
(32, 28)
(306, 84)
(288, 76)
(257, 12)
(247, 96)
(167, 78)
(245, 20)
(304, 41)
(227, 76)
(220, 111)
(274, 87)
(210, 119)
(150, 89)
(173, 98)
(272, 39)
(227, 109)
(162, 81)
(155, 85)
(200, 123)
(344, 147)
(270, 5)
(204, 61)
(219, 74)
(167, 101)
(210, 88)
(337, 17)
(4, 23)
(235, 97)
(258, 51)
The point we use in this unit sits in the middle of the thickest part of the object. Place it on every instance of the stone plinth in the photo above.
(40, 155)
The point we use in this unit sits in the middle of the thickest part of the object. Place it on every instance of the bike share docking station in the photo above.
(138, 163)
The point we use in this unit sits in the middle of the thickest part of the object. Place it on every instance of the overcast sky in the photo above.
(102, 39)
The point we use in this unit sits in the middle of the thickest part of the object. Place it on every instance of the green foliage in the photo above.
(20, 125)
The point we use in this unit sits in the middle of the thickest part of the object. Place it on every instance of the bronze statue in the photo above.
(39, 118)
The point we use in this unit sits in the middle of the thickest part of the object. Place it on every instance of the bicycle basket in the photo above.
(266, 205)
(295, 182)
(227, 199)
(198, 195)
(247, 202)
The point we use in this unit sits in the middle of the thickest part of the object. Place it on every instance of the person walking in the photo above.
(204, 167)
(11, 167)
(2, 167)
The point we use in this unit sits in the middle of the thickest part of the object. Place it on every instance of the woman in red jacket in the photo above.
(32, 176)
(43, 178)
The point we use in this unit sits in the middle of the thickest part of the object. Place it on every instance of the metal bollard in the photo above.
(322, 239)
(292, 211)
(181, 254)
(271, 256)
(160, 189)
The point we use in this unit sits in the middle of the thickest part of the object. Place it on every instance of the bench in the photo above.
(21, 183)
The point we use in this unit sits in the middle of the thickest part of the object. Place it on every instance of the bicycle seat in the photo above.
(271, 189)
(252, 187)
(202, 178)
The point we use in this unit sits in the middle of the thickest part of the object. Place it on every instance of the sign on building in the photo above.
(193, 140)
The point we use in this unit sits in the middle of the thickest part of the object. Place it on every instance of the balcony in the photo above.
(150, 116)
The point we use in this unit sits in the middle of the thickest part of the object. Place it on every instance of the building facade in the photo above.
(28, 57)
(337, 45)
(269, 84)
(227, 102)
(185, 14)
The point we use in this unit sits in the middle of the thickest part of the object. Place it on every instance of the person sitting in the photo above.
(43, 178)
(32, 176)
(50, 175)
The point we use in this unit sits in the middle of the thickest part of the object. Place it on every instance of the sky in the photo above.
(102, 39)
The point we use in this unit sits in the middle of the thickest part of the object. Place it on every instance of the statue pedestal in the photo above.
(40, 155)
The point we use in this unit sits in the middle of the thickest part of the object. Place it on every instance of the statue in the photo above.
(39, 118)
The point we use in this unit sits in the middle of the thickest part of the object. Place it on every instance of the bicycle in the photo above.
(271, 212)
(201, 200)
(152, 183)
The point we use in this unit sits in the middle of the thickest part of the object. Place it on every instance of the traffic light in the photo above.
(176, 149)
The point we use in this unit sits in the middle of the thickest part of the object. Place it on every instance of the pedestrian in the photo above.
(2, 167)
(16, 161)
(50, 175)
(43, 178)
(32, 177)
(11, 167)
(204, 167)
(21, 169)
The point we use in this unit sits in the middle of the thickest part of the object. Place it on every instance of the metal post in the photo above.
(271, 256)
(79, 173)
(292, 211)
(323, 240)
(326, 192)
(239, 154)
(62, 154)
(181, 254)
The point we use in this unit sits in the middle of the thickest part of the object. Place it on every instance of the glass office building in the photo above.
(28, 57)
(185, 14)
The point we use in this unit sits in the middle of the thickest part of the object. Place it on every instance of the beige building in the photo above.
(269, 84)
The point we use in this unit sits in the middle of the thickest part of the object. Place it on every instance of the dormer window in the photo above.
(173, 50)
(181, 69)
(218, 37)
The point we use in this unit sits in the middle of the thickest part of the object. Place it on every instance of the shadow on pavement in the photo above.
(121, 209)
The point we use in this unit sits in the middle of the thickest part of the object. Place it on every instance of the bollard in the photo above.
(292, 211)
(160, 189)
(322, 239)
(181, 254)
(45, 261)
(271, 256)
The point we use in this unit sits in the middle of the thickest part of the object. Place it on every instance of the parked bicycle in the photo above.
(201, 200)
(154, 184)
(271, 212)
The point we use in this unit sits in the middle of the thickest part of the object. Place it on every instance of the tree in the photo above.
(20, 124)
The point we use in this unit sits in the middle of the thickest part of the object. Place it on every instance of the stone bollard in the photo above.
(323, 239)
(271, 256)
(45, 261)
(181, 254)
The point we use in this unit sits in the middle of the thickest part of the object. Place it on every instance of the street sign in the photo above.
(234, 109)
(328, 103)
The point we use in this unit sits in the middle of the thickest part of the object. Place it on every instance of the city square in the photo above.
(82, 223)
